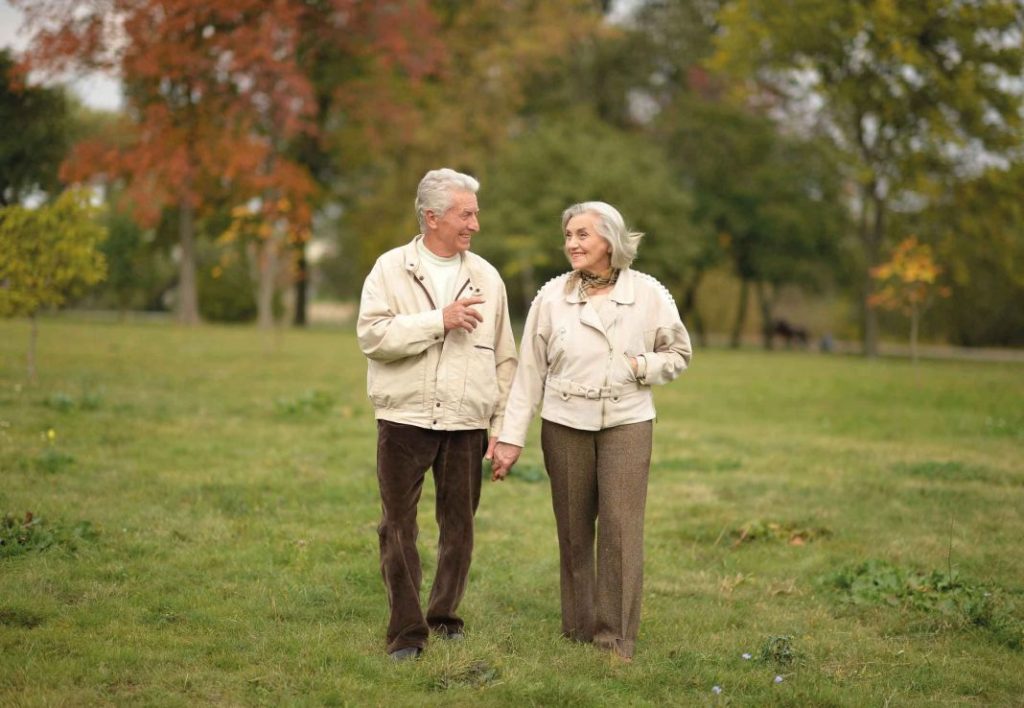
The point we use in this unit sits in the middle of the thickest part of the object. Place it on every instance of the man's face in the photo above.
(451, 232)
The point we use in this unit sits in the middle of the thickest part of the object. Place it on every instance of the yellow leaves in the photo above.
(49, 254)
(908, 280)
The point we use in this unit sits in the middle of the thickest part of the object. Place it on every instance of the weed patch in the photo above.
(66, 403)
(52, 460)
(778, 651)
(965, 604)
(16, 617)
(30, 533)
(475, 674)
(312, 401)
(953, 471)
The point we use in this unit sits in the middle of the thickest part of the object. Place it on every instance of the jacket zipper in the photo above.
(461, 289)
(419, 281)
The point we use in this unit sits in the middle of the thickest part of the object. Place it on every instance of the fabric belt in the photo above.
(567, 388)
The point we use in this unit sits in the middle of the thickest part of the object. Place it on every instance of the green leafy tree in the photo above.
(35, 137)
(977, 231)
(580, 158)
(140, 271)
(47, 256)
(476, 97)
(771, 200)
(908, 93)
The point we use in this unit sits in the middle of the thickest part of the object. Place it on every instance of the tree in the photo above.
(214, 90)
(139, 270)
(35, 137)
(47, 256)
(570, 159)
(469, 102)
(907, 94)
(977, 231)
(770, 200)
(908, 283)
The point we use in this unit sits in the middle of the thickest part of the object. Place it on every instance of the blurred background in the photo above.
(831, 174)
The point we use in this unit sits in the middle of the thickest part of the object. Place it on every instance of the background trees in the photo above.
(767, 148)
(35, 137)
(910, 96)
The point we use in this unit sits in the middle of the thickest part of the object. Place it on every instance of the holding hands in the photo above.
(502, 459)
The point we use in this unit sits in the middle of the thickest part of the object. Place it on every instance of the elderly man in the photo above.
(434, 325)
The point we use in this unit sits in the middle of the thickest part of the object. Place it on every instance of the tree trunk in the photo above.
(915, 317)
(188, 295)
(301, 285)
(32, 336)
(690, 313)
(268, 265)
(767, 320)
(872, 231)
(741, 316)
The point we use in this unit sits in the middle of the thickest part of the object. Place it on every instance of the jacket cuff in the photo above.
(641, 368)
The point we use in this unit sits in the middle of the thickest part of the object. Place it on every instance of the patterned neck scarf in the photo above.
(589, 281)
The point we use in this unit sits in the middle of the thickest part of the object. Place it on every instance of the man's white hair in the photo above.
(436, 190)
(612, 227)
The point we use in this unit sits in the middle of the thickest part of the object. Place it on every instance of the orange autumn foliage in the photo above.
(215, 91)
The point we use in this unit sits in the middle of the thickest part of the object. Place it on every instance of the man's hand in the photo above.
(459, 315)
(504, 456)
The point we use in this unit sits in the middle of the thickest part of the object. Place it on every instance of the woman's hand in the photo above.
(505, 455)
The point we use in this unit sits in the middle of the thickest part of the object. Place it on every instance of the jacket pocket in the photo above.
(397, 384)
(480, 395)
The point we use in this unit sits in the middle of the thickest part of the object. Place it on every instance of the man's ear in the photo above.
(430, 218)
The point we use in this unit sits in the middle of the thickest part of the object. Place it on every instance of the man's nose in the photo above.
(474, 224)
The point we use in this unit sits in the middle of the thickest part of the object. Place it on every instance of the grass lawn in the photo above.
(204, 514)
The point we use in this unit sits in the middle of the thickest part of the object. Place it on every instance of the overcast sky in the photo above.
(95, 90)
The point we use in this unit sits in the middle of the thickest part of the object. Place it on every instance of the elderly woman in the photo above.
(596, 340)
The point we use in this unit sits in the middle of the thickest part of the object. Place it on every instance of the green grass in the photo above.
(204, 514)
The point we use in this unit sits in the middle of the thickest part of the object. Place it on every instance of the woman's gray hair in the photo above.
(435, 192)
(612, 227)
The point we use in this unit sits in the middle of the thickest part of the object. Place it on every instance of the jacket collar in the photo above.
(623, 292)
(412, 262)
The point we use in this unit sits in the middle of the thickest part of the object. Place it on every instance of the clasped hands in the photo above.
(502, 457)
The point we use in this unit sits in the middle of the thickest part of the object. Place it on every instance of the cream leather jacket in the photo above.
(580, 371)
(419, 375)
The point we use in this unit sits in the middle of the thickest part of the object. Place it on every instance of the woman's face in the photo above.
(585, 247)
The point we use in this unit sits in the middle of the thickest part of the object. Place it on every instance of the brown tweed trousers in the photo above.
(600, 476)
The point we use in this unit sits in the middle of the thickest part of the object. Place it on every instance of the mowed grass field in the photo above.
(820, 530)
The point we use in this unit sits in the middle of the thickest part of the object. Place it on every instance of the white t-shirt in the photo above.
(441, 271)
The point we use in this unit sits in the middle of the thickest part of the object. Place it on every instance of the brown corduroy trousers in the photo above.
(404, 453)
(600, 476)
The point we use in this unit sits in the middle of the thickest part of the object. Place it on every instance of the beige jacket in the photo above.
(417, 374)
(580, 371)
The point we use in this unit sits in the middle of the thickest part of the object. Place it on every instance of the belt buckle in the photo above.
(594, 394)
